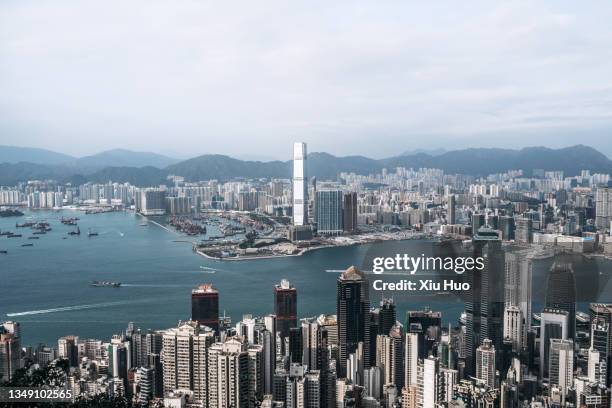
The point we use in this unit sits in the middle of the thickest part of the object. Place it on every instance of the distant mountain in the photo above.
(430, 152)
(124, 158)
(137, 176)
(14, 154)
(216, 166)
(484, 161)
(478, 162)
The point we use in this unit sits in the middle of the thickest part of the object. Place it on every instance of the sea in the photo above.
(47, 288)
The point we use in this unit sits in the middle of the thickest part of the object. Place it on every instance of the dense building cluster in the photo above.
(506, 350)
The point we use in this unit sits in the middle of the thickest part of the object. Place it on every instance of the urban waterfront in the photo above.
(47, 286)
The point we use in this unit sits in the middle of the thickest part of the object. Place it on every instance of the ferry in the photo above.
(105, 284)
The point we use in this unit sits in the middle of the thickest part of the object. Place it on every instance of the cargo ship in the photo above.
(105, 284)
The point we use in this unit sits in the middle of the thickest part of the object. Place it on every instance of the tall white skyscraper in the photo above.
(300, 184)
(561, 365)
(485, 363)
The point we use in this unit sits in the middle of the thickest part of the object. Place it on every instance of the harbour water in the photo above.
(46, 287)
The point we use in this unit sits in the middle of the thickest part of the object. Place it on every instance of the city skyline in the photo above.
(340, 76)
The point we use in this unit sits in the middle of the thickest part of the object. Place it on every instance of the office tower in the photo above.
(513, 327)
(524, 230)
(119, 359)
(228, 378)
(518, 283)
(329, 212)
(426, 323)
(10, 350)
(428, 392)
(484, 305)
(411, 359)
(485, 363)
(478, 220)
(268, 338)
(349, 212)
(184, 359)
(603, 208)
(386, 316)
(390, 356)
(205, 306)
(451, 217)
(300, 187)
(554, 324)
(256, 371)
(314, 345)
(67, 348)
(596, 367)
(352, 307)
(285, 307)
(295, 345)
(146, 384)
(561, 365)
(561, 292)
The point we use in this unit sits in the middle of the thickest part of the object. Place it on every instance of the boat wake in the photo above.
(68, 308)
(154, 285)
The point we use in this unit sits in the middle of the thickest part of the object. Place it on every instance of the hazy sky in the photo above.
(248, 78)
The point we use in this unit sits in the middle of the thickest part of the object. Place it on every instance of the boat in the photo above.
(14, 236)
(33, 237)
(75, 232)
(3, 251)
(105, 284)
(27, 245)
(92, 233)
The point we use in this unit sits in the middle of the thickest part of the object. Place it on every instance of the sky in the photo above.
(247, 79)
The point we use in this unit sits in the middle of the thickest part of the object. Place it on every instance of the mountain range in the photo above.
(144, 169)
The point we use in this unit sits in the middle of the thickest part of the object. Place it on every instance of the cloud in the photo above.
(251, 77)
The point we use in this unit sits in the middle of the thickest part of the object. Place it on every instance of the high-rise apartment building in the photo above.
(228, 374)
(603, 208)
(184, 359)
(485, 363)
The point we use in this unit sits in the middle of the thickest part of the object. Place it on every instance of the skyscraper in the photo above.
(205, 306)
(285, 307)
(561, 292)
(561, 365)
(553, 325)
(300, 187)
(451, 219)
(352, 307)
(329, 212)
(524, 230)
(349, 212)
(484, 305)
(485, 363)
(184, 359)
(228, 374)
(10, 350)
(603, 208)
